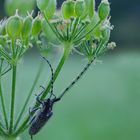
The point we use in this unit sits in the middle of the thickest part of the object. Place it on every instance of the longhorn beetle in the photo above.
(45, 111)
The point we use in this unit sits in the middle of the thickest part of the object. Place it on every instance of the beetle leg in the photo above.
(42, 87)
(33, 110)
(38, 98)
(39, 101)
(53, 95)
(56, 100)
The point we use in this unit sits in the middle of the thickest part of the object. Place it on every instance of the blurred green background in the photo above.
(104, 105)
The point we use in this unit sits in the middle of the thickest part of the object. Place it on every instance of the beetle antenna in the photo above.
(52, 78)
(77, 78)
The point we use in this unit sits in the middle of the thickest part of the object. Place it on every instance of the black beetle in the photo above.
(45, 112)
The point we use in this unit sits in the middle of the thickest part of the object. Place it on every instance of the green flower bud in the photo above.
(36, 26)
(14, 26)
(27, 27)
(96, 33)
(68, 9)
(90, 7)
(80, 8)
(106, 31)
(42, 4)
(50, 10)
(106, 35)
(104, 9)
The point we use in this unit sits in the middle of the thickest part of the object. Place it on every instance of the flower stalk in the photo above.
(14, 72)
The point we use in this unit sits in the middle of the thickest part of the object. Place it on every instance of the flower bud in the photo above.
(106, 35)
(68, 9)
(106, 31)
(27, 27)
(42, 4)
(96, 33)
(104, 9)
(80, 8)
(14, 26)
(36, 26)
(50, 10)
(90, 7)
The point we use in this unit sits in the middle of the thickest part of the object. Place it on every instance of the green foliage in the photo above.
(79, 27)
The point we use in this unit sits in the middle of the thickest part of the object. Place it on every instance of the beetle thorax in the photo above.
(47, 106)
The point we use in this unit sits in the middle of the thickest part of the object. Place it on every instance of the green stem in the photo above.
(3, 106)
(74, 28)
(2, 98)
(14, 69)
(13, 47)
(67, 48)
(76, 41)
(29, 95)
(5, 55)
(56, 33)
(9, 138)
(2, 132)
